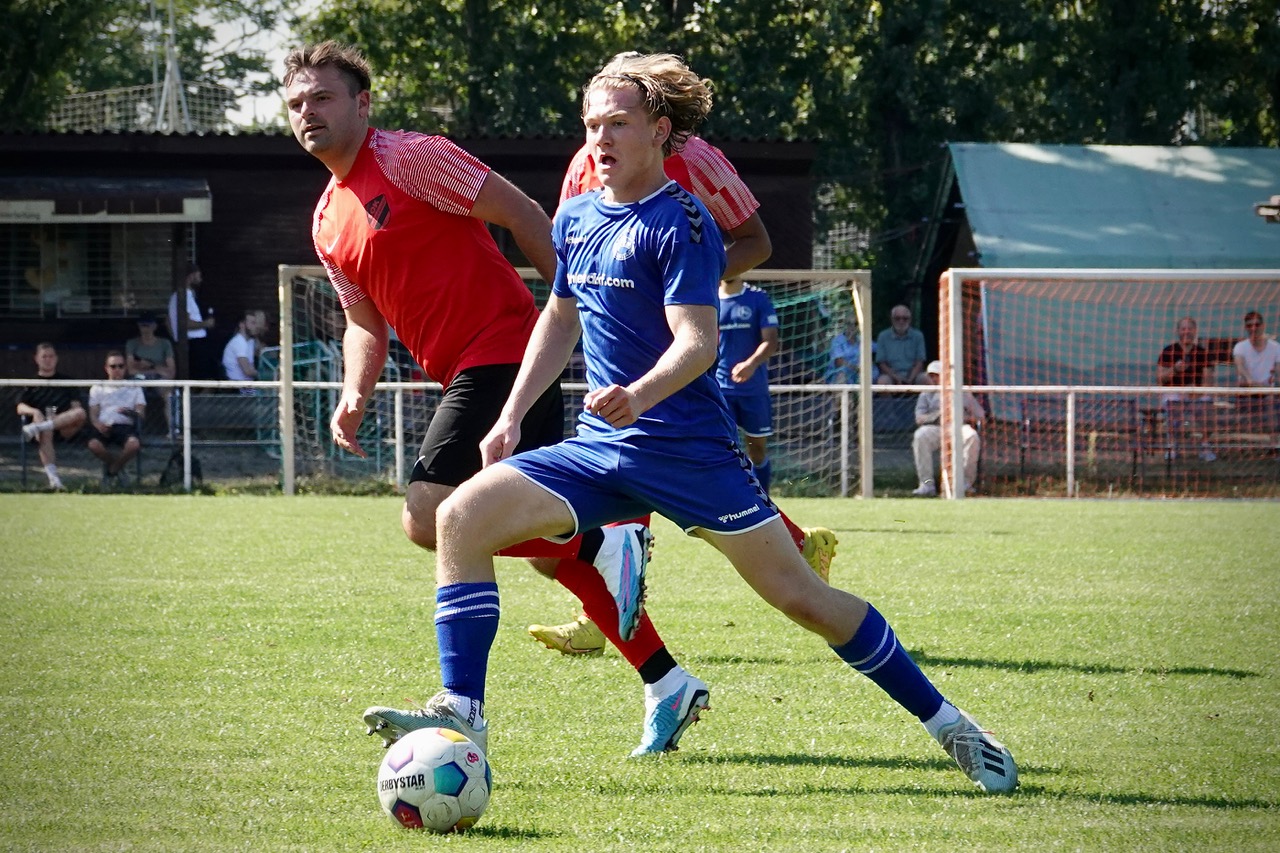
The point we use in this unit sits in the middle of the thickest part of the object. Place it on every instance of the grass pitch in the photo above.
(187, 673)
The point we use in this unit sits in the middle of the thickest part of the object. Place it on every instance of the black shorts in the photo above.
(116, 434)
(470, 407)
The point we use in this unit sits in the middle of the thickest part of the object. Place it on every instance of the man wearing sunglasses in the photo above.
(1257, 358)
(114, 413)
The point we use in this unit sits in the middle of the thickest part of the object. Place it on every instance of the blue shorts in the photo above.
(752, 413)
(695, 482)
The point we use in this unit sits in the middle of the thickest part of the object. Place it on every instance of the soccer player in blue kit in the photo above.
(748, 338)
(637, 275)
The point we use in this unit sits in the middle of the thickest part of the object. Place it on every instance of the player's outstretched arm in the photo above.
(364, 353)
(744, 370)
(692, 352)
(502, 203)
(751, 247)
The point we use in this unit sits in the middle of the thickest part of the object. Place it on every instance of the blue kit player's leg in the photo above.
(721, 502)
(754, 415)
(466, 624)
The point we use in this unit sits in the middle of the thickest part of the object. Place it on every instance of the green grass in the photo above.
(187, 673)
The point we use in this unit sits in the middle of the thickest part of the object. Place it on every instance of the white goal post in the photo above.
(819, 298)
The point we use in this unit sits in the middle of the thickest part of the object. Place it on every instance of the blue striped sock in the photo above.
(466, 624)
(874, 651)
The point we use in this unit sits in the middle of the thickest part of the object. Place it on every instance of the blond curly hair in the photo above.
(669, 88)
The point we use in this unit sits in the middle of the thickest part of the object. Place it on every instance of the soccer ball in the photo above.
(434, 779)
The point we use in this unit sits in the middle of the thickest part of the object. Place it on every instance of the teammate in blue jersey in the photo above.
(637, 276)
(748, 339)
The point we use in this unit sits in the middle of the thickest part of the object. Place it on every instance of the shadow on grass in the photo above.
(1113, 799)
(943, 765)
(754, 660)
(488, 830)
(916, 531)
(926, 659)
(807, 759)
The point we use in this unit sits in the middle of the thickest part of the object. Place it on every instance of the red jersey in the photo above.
(699, 167)
(397, 230)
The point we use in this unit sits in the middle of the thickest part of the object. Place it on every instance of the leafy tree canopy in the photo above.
(880, 86)
(54, 48)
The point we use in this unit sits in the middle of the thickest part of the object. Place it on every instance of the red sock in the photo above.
(797, 535)
(531, 548)
(585, 582)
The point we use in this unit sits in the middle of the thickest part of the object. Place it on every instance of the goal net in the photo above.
(820, 327)
(811, 448)
(193, 107)
(1066, 364)
(313, 320)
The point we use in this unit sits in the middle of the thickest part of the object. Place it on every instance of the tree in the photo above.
(472, 67)
(40, 42)
(63, 47)
(881, 86)
(1154, 72)
(1238, 87)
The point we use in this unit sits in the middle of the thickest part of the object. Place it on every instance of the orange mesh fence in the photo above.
(1065, 364)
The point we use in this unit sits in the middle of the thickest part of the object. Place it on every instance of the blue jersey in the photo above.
(624, 263)
(743, 317)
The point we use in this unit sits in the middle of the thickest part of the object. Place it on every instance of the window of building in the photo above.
(80, 270)
(87, 247)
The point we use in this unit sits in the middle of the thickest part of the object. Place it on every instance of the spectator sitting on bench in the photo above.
(1186, 364)
(240, 356)
(68, 414)
(900, 351)
(114, 414)
(1257, 360)
(843, 356)
(928, 436)
(151, 357)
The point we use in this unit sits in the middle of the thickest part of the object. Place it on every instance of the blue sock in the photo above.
(466, 623)
(874, 652)
(764, 473)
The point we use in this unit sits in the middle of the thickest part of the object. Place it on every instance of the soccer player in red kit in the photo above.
(400, 229)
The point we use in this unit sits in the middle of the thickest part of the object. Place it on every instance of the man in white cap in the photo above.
(928, 438)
